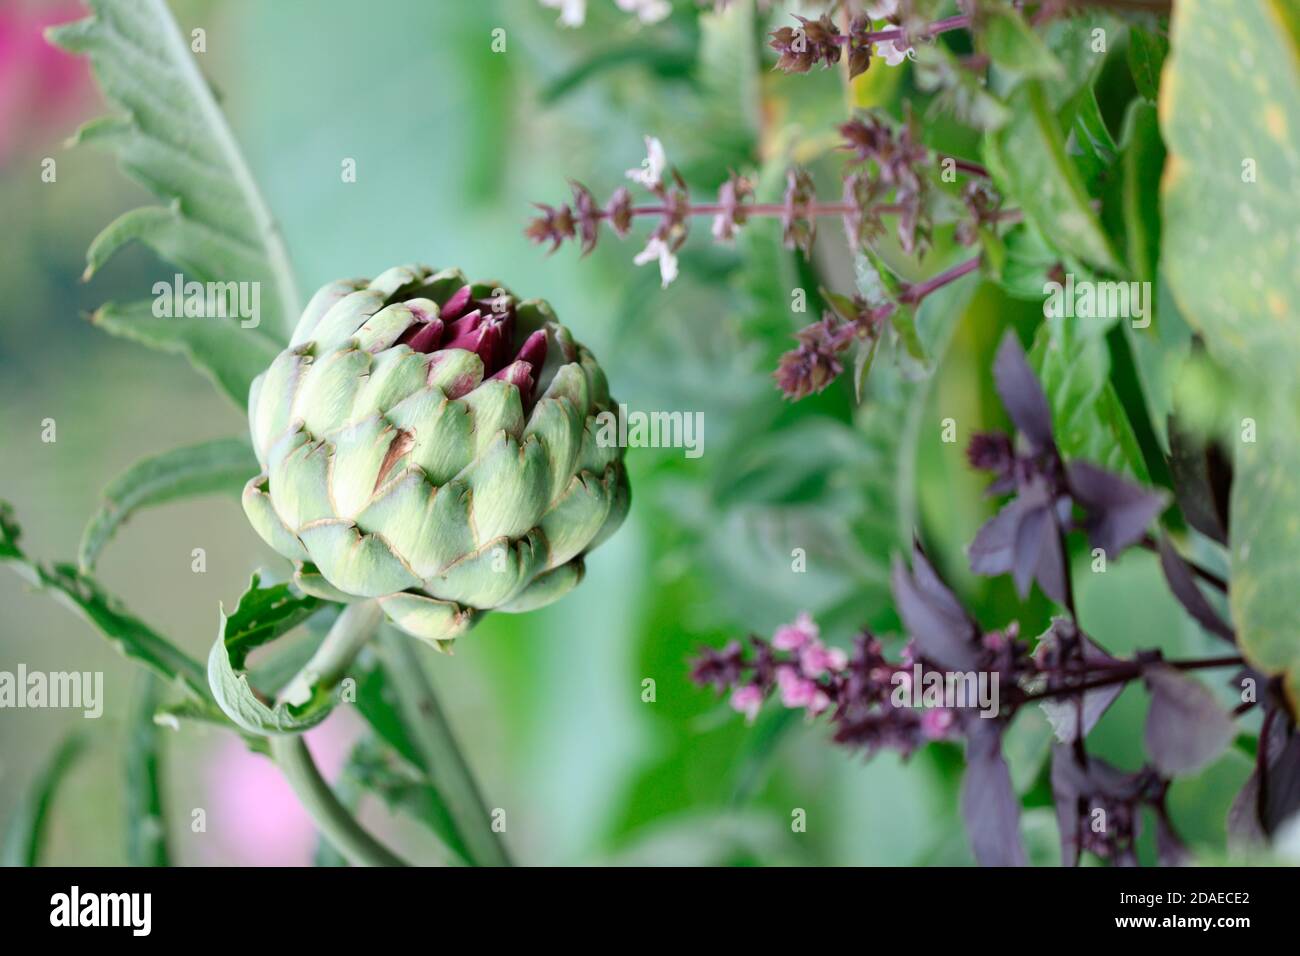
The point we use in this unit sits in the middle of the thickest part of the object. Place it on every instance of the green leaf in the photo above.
(1230, 107)
(1028, 261)
(169, 135)
(1142, 161)
(82, 595)
(1089, 420)
(1089, 143)
(1146, 57)
(1264, 545)
(262, 615)
(230, 357)
(405, 790)
(224, 465)
(25, 834)
(1006, 39)
(146, 824)
(957, 90)
(1029, 160)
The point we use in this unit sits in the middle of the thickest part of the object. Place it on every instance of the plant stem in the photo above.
(331, 817)
(915, 293)
(355, 626)
(1122, 672)
(446, 766)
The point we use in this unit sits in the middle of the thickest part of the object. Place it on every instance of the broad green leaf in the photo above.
(224, 465)
(1230, 114)
(262, 615)
(146, 823)
(24, 836)
(1089, 420)
(1264, 545)
(1029, 160)
(82, 595)
(169, 134)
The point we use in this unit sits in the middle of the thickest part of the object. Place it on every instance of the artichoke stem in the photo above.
(444, 762)
(355, 626)
(332, 819)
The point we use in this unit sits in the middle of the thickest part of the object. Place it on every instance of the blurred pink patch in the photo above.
(40, 87)
(254, 819)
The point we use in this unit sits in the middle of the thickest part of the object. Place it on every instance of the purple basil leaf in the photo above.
(1251, 820)
(992, 551)
(1118, 511)
(1063, 712)
(943, 632)
(1076, 790)
(1282, 791)
(989, 804)
(1181, 583)
(1186, 728)
(1021, 394)
(1036, 525)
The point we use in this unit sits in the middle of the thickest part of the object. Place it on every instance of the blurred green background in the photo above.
(452, 143)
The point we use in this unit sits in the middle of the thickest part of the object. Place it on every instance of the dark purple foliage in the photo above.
(990, 806)
(1186, 728)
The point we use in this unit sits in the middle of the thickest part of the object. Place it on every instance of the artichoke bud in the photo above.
(428, 442)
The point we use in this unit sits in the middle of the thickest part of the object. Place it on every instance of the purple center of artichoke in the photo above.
(485, 327)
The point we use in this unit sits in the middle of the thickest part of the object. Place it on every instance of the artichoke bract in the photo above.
(432, 443)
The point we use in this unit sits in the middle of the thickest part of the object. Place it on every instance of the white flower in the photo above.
(879, 9)
(647, 11)
(572, 12)
(894, 51)
(658, 249)
(651, 171)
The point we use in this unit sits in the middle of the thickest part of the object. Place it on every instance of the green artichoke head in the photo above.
(432, 443)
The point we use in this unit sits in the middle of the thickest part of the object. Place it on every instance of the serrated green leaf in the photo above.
(230, 356)
(24, 836)
(171, 137)
(224, 465)
(262, 615)
(78, 592)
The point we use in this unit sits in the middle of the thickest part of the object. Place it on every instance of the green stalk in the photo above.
(448, 771)
(333, 820)
(355, 626)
